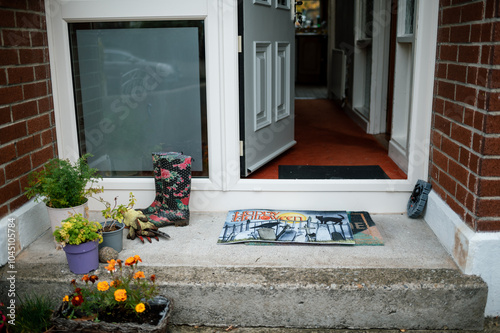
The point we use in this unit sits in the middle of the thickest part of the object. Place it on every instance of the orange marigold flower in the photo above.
(66, 298)
(77, 300)
(137, 258)
(85, 278)
(119, 262)
(111, 267)
(73, 282)
(93, 278)
(140, 307)
(103, 286)
(153, 278)
(139, 275)
(120, 295)
(130, 261)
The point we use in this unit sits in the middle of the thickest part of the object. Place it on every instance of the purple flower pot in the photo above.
(82, 258)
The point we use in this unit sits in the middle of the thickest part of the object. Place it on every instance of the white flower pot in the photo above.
(56, 215)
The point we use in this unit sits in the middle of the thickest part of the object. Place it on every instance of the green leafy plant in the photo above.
(33, 314)
(123, 298)
(61, 184)
(116, 213)
(76, 229)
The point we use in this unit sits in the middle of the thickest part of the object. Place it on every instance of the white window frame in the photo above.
(224, 189)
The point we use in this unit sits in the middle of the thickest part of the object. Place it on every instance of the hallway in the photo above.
(325, 135)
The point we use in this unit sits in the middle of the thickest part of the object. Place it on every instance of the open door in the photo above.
(266, 80)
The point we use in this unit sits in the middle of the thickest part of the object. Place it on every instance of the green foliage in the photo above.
(116, 213)
(127, 291)
(62, 184)
(33, 314)
(76, 230)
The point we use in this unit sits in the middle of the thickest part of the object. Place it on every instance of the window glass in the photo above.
(409, 14)
(140, 88)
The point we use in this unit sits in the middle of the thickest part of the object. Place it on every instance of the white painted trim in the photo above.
(224, 189)
(474, 253)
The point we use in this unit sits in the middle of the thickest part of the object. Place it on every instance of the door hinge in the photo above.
(240, 44)
(241, 148)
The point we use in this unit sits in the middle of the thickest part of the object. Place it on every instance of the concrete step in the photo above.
(411, 282)
(298, 298)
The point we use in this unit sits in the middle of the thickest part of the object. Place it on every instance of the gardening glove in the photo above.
(138, 226)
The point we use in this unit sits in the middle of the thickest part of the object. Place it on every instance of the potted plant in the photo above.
(80, 238)
(64, 187)
(113, 225)
(127, 301)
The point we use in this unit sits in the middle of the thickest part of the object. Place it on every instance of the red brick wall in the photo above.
(27, 128)
(465, 149)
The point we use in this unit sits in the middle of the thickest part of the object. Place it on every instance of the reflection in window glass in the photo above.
(410, 8)
(139, 88)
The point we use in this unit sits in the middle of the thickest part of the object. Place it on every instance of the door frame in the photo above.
(224, 189)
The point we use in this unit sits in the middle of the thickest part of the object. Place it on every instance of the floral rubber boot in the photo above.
(175, 173)
(156, 204)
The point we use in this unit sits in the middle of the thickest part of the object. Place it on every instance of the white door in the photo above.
(267, 84)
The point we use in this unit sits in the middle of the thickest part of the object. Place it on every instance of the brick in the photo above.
(443, 34)
(450, 148)
(36, 6)
(472, 74)
(27, 145)
(438, 105)
(451, 15)
(490, 8)
(477, 142)
(46, 137)
(486, 54)
(31, 56)
(472, 12)
(453, 111)
(488, 187)
(455, 206)
(492, 124)
(13, 4)
(493, 103)
(42, 156)
(9, 95)
(28, 20)
(7, 153)
(8, 57)
(18, 167)
(3, 77)
(448, 52)
(472, 183)
(38, 124)
(442, 124)
(446, 89)
(478, 121)
(467, 95)
(468, 54)
(482, 99)
(24, 110)
(2, 177)
(495, 79)
(457, 72)
(491, 146)
(42, 72)
(38, 38)
(441, 70)
(486, 32)
(35, 90)
(20, 74)
(458, 172)
(18, 202)
(448, 183)
(444, 3)
(14, 37)
(7, 18)
(9, 190)
(44, 105)
(490, 167)
(488, 207)
(461, 134)
(488, 225)
(436, 139)
(440, 160)
(495, 55)
(460, 34)
(12, 132)
(4, 210)
(5, 115)
(468, 117)
(462, 195)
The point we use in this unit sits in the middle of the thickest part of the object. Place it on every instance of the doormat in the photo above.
(364, 229)
(331, 172)
(287, 227)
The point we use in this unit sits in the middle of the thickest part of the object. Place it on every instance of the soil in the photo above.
(152, 315)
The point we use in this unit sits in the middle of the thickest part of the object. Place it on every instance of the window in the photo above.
(139, 88)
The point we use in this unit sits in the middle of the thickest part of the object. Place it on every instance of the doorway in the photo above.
(333, 129)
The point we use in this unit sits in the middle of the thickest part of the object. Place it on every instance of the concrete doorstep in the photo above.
(409, 283)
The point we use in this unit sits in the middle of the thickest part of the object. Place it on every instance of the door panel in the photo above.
(267, 82)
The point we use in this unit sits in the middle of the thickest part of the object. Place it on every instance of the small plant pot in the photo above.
(114, 238)
(56, 215)
(82, 258)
